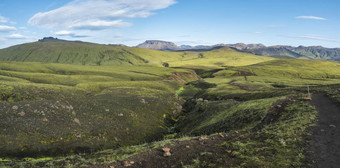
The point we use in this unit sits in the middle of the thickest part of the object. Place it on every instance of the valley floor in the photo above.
(233, 116)
(322, 150)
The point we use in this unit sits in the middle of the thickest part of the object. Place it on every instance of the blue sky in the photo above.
(193, 22)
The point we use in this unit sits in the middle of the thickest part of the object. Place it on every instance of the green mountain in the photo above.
(49, 108)
(248, 110)
(53, 50)
(80, 53)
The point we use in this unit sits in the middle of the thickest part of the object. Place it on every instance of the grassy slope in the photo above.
(40, 96)
(220, 57)
(261, 133)
(273, 75)
(263, 85)
(81, 53)
(57, 108)
(261, 107)
(272, 122)
(315, 69)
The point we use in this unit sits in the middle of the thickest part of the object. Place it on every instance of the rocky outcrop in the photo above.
(159, 45)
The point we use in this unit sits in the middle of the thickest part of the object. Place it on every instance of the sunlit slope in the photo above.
(271, 75)
(71, 75)
(220, 57)
(81, 53)
(316, 69)
(49, 108)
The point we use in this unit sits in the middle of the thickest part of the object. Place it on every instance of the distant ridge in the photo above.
(170, 46)
(310, 52)
(53, 50)
(159, 45)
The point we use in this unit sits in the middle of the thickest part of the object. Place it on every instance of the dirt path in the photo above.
(324, 150)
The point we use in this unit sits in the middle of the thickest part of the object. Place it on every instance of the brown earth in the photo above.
(208, 150)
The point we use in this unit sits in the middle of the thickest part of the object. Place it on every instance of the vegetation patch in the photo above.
(56, 109)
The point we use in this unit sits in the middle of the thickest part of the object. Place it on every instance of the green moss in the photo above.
(214, 116)
(279, 144)
(62, 109)
(37, 159)
(4, 160)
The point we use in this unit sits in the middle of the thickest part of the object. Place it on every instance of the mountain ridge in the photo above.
(154, 52)
(309, 52)
(52, 50)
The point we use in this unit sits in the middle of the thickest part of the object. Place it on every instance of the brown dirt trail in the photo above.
(324, 149)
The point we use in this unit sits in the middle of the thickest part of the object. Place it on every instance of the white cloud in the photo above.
(100, 24)
(97, 14)
(63, 33)
(16, 36)
(319, 38)
(68, 33)
(6, 29)
(310, 17)
(3, 19)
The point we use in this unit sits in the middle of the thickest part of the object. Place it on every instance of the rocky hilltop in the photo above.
(159, 45)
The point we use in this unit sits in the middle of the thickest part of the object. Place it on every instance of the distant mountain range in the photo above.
(55, 50)
(311, 52)
(280, 51)
(170, 46)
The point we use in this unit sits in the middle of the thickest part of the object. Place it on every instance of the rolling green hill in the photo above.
(59, 104)
(49, 108)
(271, 75)
(258, 108)
(81, 53)
(94, 103)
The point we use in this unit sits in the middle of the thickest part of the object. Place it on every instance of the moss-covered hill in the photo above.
(256, 114)
(56, 109)
(50, 109)
(81, 53)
